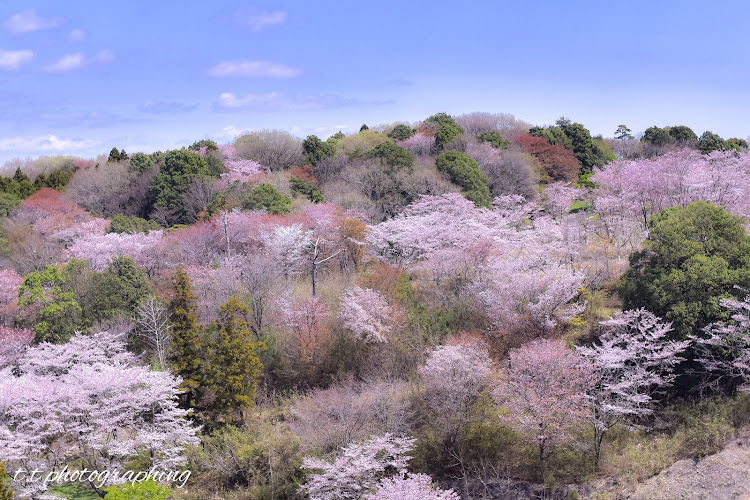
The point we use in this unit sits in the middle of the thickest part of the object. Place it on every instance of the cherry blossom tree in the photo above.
(10, 284)
(650, 185)
(419, 144)
(87, 401)
(307, 319)
(13, 343)
(633, 361)
(544, 390)
(358, 468)
(99, 250)
(410, 487)
(366, 313)
(453, 376)
(512, 258)
(724, 353)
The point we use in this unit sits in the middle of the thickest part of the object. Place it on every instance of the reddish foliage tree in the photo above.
(559, 162)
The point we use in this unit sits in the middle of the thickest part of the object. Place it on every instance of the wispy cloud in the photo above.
(257, 21)
(77, 35)
(43, 143)
(11, 60)
(105, 56)
(27, 21)
(280, 101)
(166, 108)
(254, 69)
(66, 63)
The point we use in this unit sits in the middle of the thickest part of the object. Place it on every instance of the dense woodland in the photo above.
(456, 308)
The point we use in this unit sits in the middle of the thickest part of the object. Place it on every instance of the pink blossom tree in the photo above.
(724, 353)
(13, 343)
(307, 319)
(358, 468)
(678, 178)
(10, 284)
(410, 487)
(366, 314)
(419, 144)
(544, 390)
(100, 249)
(88, 401)
(633, 360)
(453, 377)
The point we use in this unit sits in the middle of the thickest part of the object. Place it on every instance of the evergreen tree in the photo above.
(184, 358)
(233, 367)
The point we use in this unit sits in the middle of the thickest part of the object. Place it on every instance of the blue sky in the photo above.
(81, 77)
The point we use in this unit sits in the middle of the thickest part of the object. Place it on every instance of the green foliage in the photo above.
(8, 201)
(204, 143)
(464, 171)
(215, 165)
(263, 457)
(394, 158)
(694, 257)
(233, 367)
(364, 127)
(736, 144)
(18, 186)
(656, 136)
(123, 224)
(117, 290)
(115, 155)
(306, 189)
(74, 492)
(623, 132)
(140, 162)
(185, 354)
(178, 171)
(335, 137)
(577, 138)
(268, 198)
(448, 129)
(56, 180)
(401, 132)
(683, 134)
(317, 150)
(356, 145)
(144, 490)
(54, 312)
(710, 142)
(6, 493)
(494, 138)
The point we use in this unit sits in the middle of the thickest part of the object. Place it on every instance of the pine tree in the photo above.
(5, 492)
(184, 357)
(234, 368)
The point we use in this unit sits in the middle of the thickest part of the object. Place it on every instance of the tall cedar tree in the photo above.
(234, 368)
(5, 492)
(184, 358)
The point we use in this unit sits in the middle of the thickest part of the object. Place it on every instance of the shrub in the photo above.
(464, 171)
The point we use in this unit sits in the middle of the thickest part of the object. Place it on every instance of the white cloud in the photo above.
(11, 60)
(259, 20)
(229, 132)
(105, 56)
(43, 143)
(77, 35)
(68, 62)
(254, 69)
(28, 20)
